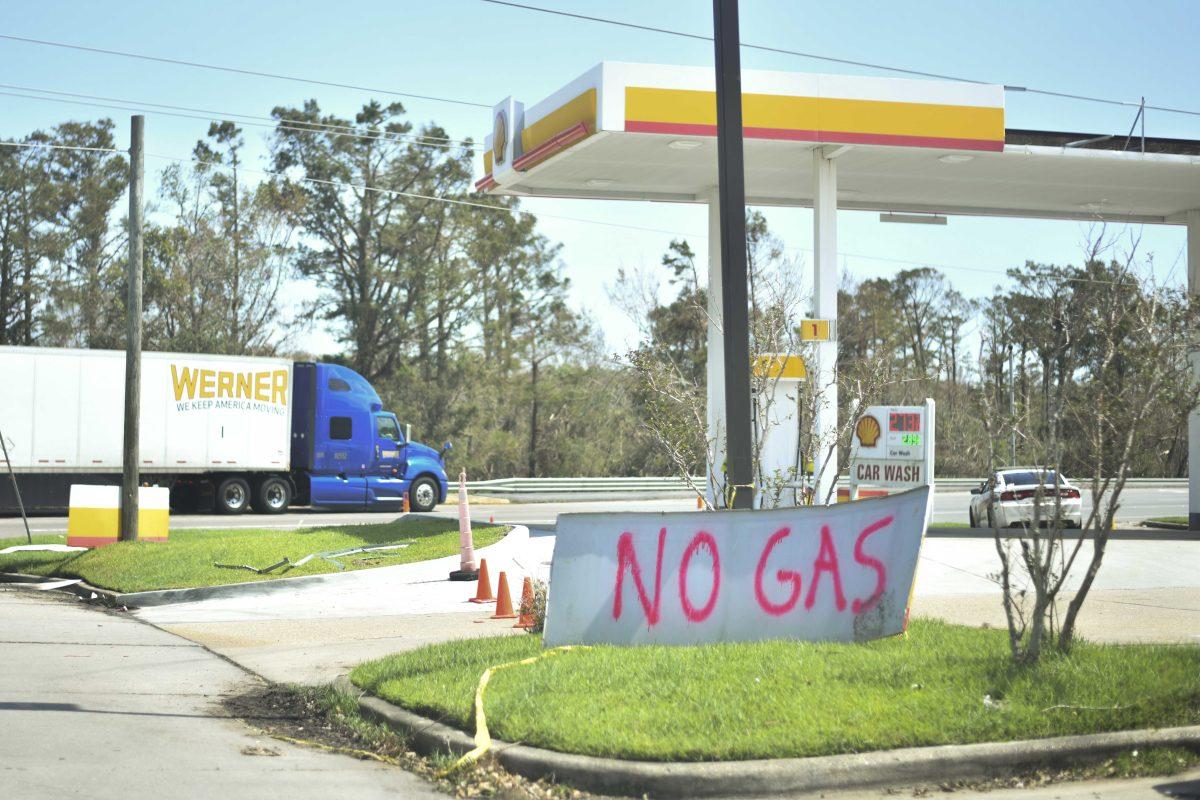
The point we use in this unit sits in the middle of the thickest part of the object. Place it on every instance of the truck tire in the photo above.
(272, 495)
(233, 496)
(423, 494)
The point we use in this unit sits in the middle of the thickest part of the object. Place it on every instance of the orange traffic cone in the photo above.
(526, 618)
(504, 609)
(406, 506)
(699, 503)
(483, 592)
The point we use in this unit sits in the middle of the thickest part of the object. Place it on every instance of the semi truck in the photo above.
(229, 433)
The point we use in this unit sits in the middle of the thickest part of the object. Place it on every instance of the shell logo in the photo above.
(500, 137)
(867, 429)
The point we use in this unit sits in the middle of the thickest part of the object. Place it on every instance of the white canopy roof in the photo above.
(634, 131)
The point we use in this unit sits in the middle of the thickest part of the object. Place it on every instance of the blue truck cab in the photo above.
(348, 452)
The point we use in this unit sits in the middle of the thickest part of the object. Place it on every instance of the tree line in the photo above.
(459, 315)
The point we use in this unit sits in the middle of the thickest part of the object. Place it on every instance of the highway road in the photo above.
(950, 505)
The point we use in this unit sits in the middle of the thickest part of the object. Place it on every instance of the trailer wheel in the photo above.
(423, 493)
(273, 495)
(233, 496)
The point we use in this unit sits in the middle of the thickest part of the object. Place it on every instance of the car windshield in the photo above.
(1030, 478)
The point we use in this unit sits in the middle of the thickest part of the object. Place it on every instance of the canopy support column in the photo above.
(716, 358)
(1193, 268)
(825, 285)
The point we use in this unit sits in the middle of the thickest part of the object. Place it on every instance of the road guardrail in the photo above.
(673, 485)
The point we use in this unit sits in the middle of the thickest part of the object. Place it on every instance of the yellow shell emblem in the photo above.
(867, 429)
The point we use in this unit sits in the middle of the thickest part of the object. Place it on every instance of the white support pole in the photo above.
(1193, 265)
(716, 357)
(825, 284)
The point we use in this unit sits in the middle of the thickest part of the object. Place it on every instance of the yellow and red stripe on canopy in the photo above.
(819, 119)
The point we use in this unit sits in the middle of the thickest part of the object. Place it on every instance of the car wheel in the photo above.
(423, 494)
(233, 496)
(273, 496)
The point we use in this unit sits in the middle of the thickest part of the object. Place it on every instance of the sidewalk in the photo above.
(314, 634)
(97, 705)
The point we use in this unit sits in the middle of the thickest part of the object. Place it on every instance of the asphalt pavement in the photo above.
(140, 707)
(99, 705)
(950, 505)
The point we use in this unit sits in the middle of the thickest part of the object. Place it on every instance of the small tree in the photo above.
(670, 367)
(1114, 346)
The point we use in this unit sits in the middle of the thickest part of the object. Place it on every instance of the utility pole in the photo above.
(133, 335)
(1012, 409)
(731, 185)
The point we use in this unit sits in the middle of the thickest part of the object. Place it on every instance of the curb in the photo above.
(82, 589)
(911, 766)
(1178, 533)
(163, 597)
(1169, 526)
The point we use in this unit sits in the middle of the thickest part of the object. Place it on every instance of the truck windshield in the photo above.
(386, 428)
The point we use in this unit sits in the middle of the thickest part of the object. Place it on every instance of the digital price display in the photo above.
(904, 434)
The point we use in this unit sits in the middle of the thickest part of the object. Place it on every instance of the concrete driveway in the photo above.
(99, 705)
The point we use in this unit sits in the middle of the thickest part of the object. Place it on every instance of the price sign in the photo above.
(893, 446)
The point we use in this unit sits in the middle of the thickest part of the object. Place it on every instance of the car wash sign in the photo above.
(819, 573)
(893, 446)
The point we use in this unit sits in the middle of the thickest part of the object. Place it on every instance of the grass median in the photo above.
(188, 558)
(942, 684)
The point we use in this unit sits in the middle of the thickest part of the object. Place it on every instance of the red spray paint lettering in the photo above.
(783, 576)
(827, 561)
(705, 540)
(860, 555)
(627, 559)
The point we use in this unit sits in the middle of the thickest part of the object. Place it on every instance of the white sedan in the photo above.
(1009, 497)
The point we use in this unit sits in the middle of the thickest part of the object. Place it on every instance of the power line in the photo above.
(302, 126)
(50, 146)
(418, 196)
(535, 215)
(239, 71)
(837, 60)
(492, 207)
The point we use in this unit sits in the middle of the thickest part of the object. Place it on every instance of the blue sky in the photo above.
(470, 50)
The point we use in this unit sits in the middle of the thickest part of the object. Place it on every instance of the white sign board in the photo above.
(893, 446)
(820, 573)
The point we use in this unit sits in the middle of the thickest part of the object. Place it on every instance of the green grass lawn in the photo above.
(1170, 520)
(187, 559)
(780, 699)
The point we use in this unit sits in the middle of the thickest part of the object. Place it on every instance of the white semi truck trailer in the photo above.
(226, 432)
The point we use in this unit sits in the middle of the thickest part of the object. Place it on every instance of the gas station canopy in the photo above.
(648, 132)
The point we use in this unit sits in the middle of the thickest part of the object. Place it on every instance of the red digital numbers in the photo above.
(904, 422)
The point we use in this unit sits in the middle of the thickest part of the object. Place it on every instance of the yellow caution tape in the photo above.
(483, 739)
